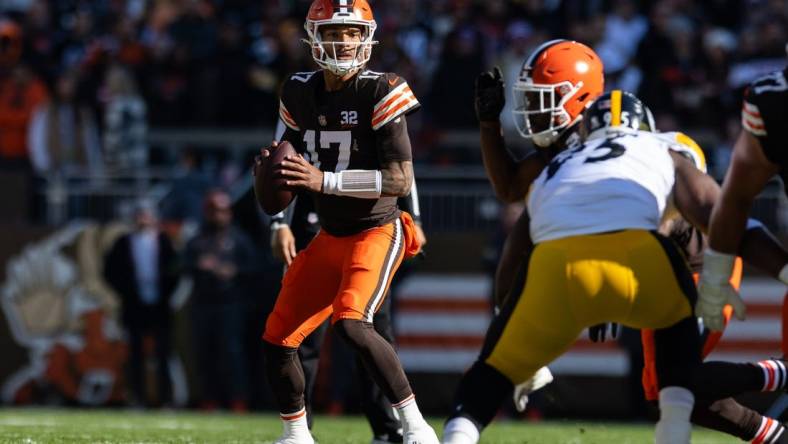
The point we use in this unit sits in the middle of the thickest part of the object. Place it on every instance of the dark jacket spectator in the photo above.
(141, 268)
(220, 259)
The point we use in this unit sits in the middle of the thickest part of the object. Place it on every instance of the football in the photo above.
(270, 190)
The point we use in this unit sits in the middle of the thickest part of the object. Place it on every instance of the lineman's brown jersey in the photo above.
(765, 115)
(360, 127)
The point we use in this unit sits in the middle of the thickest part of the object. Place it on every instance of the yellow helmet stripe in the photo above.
(687, 141)
(615, 107)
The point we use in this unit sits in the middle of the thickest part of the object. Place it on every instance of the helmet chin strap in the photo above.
(544, 140)
(565, 136)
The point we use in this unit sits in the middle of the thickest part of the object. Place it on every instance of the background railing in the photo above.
(453, 198)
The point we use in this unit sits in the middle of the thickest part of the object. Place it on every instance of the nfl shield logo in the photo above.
(321, 119)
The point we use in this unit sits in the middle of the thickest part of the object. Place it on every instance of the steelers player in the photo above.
(561, 77)
(350, 124)
(595, 211)
(725, 415)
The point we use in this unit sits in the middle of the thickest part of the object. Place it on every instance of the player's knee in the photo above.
(515, 371)
(274, 328)
(277, 332)
(278, 352)
(382, 324)
(355, 332)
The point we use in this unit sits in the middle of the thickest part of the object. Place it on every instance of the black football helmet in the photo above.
(617, 111)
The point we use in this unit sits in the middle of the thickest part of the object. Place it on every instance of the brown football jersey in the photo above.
(764, 114)
(361, 127)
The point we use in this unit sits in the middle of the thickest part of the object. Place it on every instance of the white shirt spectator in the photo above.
(145, 255)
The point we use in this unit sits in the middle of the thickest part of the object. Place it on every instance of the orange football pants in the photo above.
(650, 382)
(342, 277)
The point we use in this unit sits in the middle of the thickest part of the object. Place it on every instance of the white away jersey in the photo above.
(605, 184)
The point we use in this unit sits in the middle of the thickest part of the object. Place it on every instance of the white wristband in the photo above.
(276, 225)
(717, 267)
(363, 184)
(753, 223)
(783, 276)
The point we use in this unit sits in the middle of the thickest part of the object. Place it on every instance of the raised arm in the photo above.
(749, 172)
(510, 180)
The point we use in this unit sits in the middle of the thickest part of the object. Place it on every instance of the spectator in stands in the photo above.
(41, 40)
(63, 132)
(624, 28)
(21, 92)
(658, 60)
(184, 202)
(142, 268)
(452, 90)
(125, 121)
(220, 260)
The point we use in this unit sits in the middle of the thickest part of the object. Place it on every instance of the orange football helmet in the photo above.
(556, 82)
(340, 13)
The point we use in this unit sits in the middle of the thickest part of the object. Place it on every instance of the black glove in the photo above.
(598, 332)
(489, 100)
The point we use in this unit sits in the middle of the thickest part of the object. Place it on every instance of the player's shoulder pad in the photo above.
(301, 77)
(295, 85)
(293, 88)
(391, 95)
(763, 97)
(768, 84)
(686, 145)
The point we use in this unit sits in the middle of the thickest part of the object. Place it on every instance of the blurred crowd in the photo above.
(81, 81)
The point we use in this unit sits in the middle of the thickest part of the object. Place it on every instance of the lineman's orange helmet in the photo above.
(556, 82)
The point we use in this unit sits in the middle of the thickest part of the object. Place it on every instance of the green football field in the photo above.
(33, 426)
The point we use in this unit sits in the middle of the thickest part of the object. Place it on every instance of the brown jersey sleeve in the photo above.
(763, 112)
(286, 117)
(393, 99)
(393, 143)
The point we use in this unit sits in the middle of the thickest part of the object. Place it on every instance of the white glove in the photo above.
(784, 274)
(715, 290)
(541, 378)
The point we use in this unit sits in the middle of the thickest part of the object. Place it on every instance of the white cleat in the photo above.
(423, 434)
(460, 430)
(458, 437)
(541, 378)
(388, 439)
(295, 439)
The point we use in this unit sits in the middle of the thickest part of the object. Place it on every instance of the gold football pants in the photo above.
(634, 277)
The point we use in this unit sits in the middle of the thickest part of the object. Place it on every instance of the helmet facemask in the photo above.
(539, 110)
(339, 57)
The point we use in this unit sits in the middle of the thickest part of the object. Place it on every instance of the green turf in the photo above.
(34, 426)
